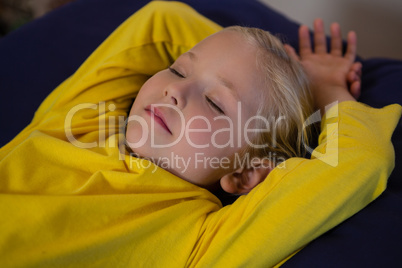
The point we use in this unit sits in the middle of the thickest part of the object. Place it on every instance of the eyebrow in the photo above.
(192, 56)
(226, 83)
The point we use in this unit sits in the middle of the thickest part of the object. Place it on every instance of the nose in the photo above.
(173, 99)
(177, 94)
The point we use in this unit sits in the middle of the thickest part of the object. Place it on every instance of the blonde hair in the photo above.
(286, 98)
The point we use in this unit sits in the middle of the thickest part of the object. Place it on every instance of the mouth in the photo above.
(157, 116)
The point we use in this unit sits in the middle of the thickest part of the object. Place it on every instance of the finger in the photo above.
(355, 89)
(354, 73)
(352, 77)
(352, 47)
(357, 67)
(336, 40)
(291, 52)
(304, 41)
(320, 43)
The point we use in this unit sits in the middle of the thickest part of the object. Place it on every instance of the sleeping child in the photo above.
(120, 163)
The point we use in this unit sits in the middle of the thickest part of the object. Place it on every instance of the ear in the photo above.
(244, 180)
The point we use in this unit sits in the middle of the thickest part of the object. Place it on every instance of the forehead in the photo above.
(233, 60)
(227, 44)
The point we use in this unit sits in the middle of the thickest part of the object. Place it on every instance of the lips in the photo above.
(157, 115)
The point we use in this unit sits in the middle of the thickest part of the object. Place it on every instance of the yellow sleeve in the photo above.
(108, 81)
(305, 198)
(147, 42)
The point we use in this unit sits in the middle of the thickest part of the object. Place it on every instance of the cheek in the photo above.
(151, 88)
(209, 133)
(135, 106)
(198, 132)
(140, 100)
(135, 134)
(226, 135)
(145, 95)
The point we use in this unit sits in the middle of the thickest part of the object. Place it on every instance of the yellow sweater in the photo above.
(69, 198)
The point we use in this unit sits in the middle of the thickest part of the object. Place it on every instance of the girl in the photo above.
(76, 203)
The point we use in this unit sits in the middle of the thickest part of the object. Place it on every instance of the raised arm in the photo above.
(301, 199)
(108, 81)
(147, 42)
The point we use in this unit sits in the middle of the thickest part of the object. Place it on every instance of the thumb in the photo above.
(291, 52)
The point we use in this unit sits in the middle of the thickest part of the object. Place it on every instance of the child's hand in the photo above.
(333, 76)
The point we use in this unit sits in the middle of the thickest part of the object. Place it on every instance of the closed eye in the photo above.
(175, 72)
(214, 106)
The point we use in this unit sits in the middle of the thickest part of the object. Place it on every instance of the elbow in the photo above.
(383, 163)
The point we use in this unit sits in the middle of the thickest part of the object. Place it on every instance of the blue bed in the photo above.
(37, 57)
